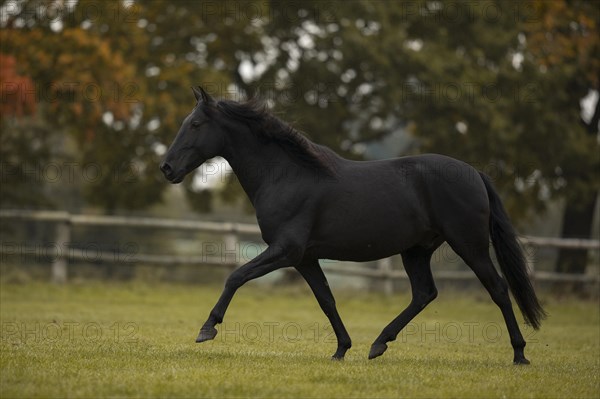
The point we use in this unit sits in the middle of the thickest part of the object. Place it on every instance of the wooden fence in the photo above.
(231, 238)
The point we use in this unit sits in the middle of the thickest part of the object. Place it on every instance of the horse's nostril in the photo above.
(166, 168)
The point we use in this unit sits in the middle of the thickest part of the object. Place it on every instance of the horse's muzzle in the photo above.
(170, 174)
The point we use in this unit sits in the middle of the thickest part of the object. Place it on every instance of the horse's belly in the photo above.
(362, 252)
(352, 240)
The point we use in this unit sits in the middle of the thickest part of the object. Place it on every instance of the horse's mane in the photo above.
(267, 126)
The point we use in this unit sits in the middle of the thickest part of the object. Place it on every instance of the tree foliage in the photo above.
(115, 76)
(19, 140)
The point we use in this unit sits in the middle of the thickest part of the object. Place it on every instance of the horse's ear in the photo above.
(201, 95)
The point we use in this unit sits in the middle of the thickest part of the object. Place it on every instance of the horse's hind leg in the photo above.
(313, 274)
(478, 259)
(416, 263)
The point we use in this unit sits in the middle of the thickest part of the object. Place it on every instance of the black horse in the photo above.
(312, 204)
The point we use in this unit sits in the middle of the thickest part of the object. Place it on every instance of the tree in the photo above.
(23, 140)
(115, 76)
(564, 41)
(77, 76)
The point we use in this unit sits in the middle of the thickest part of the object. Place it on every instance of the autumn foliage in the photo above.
(17, 92)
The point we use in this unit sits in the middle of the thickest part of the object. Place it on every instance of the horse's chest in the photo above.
(279, 212)
(273, 223)
(266, 228)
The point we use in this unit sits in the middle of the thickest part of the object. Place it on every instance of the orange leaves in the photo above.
(17, 92)
(565, 33)
(78, 76)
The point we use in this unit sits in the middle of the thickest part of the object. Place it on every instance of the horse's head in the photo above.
(199, 139)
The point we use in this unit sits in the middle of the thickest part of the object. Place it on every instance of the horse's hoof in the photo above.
(521, 361)
(337, 358)
(377, 350)
(206, 334)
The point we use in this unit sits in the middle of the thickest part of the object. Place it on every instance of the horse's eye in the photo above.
(196, 124)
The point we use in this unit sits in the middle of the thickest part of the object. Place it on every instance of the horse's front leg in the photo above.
(275, 257)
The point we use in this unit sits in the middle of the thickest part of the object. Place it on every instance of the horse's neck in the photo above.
(256, 164)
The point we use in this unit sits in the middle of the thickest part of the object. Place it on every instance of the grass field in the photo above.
(136, 340)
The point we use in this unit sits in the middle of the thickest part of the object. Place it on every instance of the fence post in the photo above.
(59, 264)
(230, 247)
(530, 260)
(385, 267)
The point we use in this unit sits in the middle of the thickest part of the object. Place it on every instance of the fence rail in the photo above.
(231, 231)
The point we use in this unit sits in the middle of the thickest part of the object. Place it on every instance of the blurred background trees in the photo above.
(99, 88)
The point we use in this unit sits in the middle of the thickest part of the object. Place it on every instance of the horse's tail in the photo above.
(511, 259)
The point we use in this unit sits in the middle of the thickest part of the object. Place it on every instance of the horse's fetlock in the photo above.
(433, 294)
(518, 344)
(215, 318)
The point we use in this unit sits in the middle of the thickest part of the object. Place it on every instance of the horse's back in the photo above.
(430, 177)
(378, 208)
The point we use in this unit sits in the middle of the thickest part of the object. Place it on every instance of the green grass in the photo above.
(136, 340)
